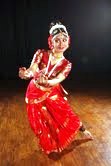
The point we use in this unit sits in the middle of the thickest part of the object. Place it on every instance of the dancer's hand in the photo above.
(43, 80)
(22, 71)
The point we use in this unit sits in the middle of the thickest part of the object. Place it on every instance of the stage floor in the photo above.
(18, 144)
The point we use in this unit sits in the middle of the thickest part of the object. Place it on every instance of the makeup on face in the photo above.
(60, 42)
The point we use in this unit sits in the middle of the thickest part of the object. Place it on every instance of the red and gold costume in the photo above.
(50, 115)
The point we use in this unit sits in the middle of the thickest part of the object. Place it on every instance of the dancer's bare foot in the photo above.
(88, 135)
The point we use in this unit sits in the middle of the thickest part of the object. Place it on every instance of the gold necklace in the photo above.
(54, 59)
(57, 56)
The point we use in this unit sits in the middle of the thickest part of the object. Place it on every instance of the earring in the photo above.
(51, 47)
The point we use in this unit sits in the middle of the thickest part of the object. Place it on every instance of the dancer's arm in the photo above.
(45, 81)
(61, 76)
(29, 73)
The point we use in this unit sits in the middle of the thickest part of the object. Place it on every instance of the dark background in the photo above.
(24, 26)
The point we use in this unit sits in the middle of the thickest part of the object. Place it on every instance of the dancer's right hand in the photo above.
(22, 71)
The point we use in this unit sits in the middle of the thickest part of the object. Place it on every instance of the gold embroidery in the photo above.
(42, 87)
(35, 101)
(57, 130)
(48, 135)
(54, 97)
(65, 98)
(39, 132)
(44, 108)
(66, 122)
(26, 100)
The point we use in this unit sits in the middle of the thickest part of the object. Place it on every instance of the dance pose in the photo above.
(50, 115)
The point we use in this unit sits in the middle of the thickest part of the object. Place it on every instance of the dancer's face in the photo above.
(60, 43)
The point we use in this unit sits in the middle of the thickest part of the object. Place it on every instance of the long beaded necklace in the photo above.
(56, 64)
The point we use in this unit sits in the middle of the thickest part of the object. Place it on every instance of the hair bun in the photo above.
(54, 23)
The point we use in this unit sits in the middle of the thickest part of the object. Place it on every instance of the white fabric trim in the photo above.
(55, 66)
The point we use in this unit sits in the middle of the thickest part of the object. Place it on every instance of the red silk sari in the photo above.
(50, 115)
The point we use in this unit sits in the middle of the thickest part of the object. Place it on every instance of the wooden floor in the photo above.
(18, 144)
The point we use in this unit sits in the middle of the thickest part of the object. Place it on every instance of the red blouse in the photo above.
(41, 57)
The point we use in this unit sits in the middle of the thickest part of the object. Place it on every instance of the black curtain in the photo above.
(22, 31)
(24, 28)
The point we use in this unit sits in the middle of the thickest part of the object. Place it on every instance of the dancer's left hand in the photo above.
(43, 80)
